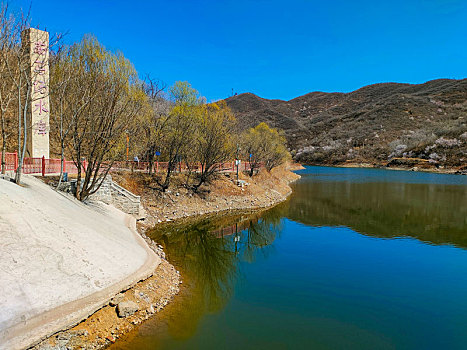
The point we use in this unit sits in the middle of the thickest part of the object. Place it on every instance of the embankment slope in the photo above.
(61, 260)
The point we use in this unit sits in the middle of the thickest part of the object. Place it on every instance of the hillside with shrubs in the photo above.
(387, 123)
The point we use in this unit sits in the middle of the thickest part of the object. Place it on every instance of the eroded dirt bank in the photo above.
(260, 191)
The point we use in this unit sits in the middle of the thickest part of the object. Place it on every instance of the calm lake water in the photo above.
(355, 259)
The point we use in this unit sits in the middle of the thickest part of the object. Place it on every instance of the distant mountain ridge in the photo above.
(372, 124)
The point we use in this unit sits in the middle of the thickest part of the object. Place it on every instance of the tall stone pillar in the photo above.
(36, 44)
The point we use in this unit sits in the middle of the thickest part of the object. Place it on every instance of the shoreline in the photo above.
(260, 192)
(103, 327)
(449, 171)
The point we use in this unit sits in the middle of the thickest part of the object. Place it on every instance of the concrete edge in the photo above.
(31, 332)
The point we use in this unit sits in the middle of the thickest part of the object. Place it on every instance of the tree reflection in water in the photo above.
(208, 251)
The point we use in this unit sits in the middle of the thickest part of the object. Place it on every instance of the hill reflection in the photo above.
(433, 213)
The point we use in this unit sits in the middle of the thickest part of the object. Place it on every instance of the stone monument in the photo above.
(36, 44)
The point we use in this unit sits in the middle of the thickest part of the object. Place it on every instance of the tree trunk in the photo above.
(25, 137)
(20, 162)
(151, 160)
(62, 158)
(3, 147)
(62, 149)
(78, 179)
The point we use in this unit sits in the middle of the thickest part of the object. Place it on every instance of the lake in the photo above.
(355, 259)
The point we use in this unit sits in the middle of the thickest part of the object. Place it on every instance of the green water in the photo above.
(355, 259)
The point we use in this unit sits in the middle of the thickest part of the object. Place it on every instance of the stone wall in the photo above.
(124, 199)
(104, 194)
(119, 197)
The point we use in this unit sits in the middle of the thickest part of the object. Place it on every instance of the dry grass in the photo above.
(262, 190)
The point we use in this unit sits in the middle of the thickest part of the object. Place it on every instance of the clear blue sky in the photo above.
(275, 49)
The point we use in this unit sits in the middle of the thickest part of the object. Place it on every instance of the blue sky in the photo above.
(275, 49)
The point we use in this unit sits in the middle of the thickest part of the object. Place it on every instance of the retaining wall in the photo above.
(111, 193)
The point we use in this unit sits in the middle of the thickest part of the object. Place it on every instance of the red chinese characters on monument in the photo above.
(41, 128)
(40, 47)
(40, 85)
(39, 68)
(41, 107)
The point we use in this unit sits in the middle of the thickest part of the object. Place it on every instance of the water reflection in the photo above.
(434, 213)
(208, 253)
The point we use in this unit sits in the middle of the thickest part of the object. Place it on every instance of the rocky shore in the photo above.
(123, 313)
(400, 167)
(223, 194)
(132, 307)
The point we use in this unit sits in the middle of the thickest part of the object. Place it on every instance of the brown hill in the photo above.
(373, 124)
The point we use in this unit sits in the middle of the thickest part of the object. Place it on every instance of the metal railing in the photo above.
(43, 166)
(11, 161)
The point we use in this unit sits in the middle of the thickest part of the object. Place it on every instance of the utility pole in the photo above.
(127, 144)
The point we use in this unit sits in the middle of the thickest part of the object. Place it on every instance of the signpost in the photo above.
(237, 161)
(157, 154)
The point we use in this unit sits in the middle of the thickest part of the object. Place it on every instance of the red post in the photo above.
(16, 160)
(43, 165)
(157, 167)
(64, 164)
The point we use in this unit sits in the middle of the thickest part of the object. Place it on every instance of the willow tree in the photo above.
(264, 144)
(179, 128)
(213, 141)
(101, 100)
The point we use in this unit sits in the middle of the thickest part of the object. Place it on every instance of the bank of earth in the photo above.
(401, 164)
(151, 295)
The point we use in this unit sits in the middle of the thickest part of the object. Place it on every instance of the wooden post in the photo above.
(43, 166)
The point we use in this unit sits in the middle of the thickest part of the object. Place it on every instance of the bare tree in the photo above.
(110, 98)
(155, 119)
(7, 87)
(66, 105)
(18, 66)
